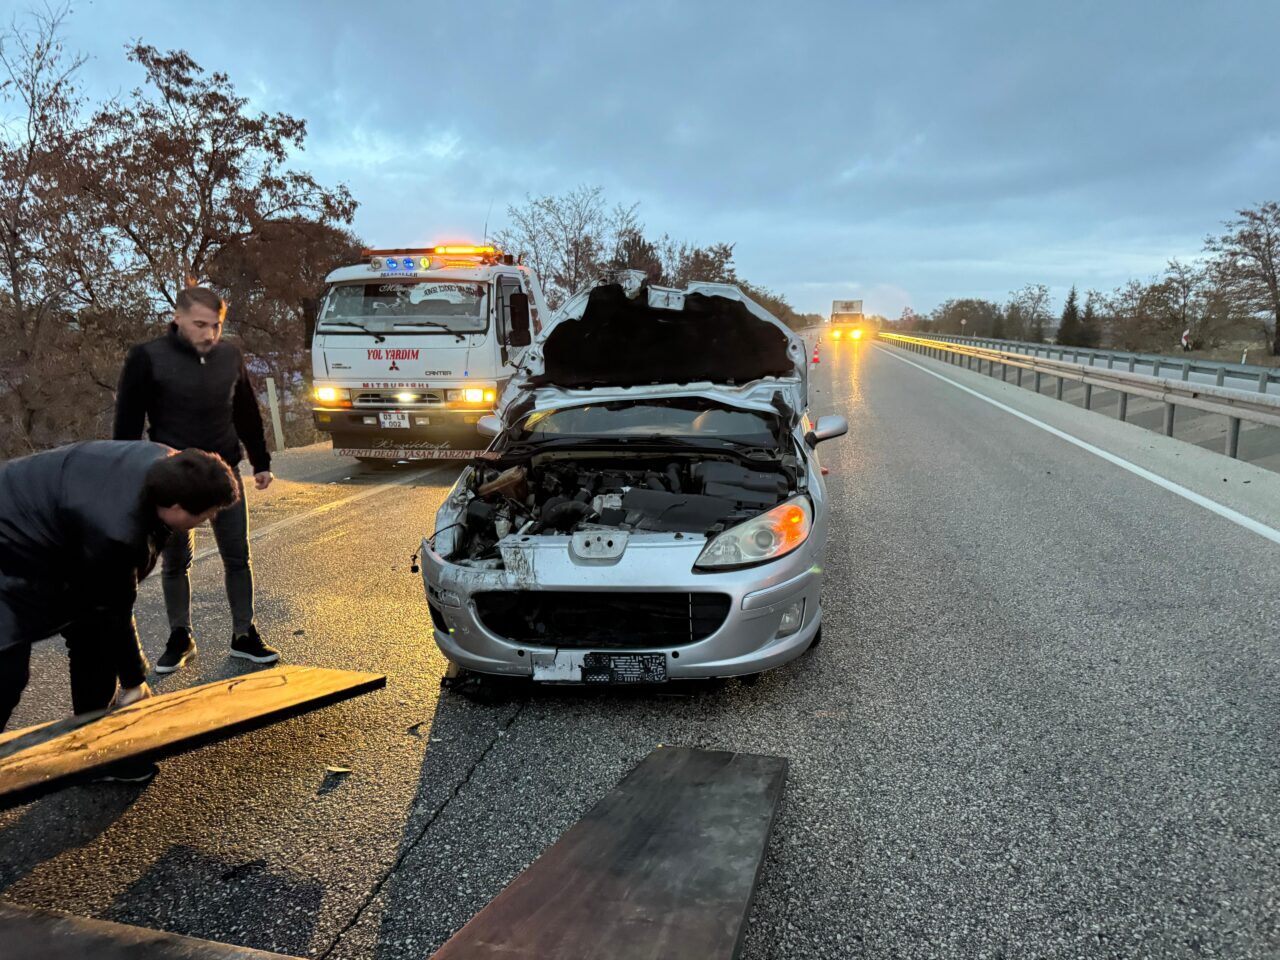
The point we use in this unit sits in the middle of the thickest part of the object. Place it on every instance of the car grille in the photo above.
(567, 618)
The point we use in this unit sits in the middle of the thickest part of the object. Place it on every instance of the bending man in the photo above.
(80, 527)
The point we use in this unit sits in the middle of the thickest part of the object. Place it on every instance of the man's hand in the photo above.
(131, 695)
(263, 480)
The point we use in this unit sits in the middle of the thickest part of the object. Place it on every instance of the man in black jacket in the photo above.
(194, 391)
(80, 527)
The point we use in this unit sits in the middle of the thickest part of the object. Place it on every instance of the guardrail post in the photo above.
(1168, 419)
(1004, 372)
(1222, 376)
(1037, 381)
(1111, 362)
(1088, 395)
(1263, 377)
(1233, 437)
(1124, 407)
(1058, 391)
(1155, 367)
(1133, 361)
(1018, 373)
(1186, 369)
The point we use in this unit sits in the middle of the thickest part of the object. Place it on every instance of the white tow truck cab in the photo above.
(412, 346)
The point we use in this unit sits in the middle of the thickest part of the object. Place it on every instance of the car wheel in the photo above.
(817, 639)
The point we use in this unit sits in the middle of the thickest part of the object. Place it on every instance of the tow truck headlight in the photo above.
(857, 334)
(472, 395)
(761, 539)
(332, 394)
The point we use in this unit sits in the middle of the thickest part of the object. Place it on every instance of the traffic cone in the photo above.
(815, 355)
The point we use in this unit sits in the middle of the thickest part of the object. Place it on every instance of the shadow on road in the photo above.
(188, 892)
(58, 823)
(488, 804)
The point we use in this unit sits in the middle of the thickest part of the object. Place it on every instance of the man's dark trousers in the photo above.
(231, 532)
(93, 675)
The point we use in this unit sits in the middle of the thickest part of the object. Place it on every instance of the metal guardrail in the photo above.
(1235, 405)
(1219, 370)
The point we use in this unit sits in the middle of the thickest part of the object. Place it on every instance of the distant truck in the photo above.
(848, 322)
(413, 346)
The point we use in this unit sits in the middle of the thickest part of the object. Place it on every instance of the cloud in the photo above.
(919, 151)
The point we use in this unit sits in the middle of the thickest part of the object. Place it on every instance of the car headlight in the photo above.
(331, 394)
(761, 539)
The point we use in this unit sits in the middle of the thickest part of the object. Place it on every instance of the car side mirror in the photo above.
(489, 425)
(827, 428)
(519, 335)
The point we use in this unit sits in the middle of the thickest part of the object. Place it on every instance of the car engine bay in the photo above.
(561, 494)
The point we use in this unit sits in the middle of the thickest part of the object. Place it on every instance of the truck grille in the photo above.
(567, 618)
(385, 398)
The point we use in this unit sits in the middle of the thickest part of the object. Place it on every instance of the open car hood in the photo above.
(627, 339)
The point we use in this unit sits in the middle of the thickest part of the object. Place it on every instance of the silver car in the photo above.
(652, 506)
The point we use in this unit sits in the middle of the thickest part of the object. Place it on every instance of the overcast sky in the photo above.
(900, 152)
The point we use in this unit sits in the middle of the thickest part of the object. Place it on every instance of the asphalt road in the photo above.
(1043, 721)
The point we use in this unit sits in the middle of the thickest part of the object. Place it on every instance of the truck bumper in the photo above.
(430, 434)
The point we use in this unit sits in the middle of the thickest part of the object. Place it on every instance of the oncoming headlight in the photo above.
(331, 394)
(761, 539)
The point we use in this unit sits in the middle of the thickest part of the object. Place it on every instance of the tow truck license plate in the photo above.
(624, 668)
(398, 421)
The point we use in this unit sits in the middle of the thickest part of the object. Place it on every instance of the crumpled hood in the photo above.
(627, 339)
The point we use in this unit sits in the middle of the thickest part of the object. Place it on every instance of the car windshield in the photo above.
(674, 419)
(408, 305)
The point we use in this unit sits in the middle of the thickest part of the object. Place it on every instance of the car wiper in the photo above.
(379, 338)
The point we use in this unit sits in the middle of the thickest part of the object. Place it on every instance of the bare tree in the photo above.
(38, 82)
(1248, 256)
(567, 239)
(1031, 308)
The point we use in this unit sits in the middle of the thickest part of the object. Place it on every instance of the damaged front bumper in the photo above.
(557, 599)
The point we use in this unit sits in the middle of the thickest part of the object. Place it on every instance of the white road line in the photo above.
(287, 522)
(1261, 529)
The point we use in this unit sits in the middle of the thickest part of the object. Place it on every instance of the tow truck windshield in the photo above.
(408, 306)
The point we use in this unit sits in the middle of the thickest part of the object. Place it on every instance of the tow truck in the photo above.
(412, 346)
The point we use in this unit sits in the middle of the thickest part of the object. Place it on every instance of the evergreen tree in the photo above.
(1090, 322)
(1069, 328)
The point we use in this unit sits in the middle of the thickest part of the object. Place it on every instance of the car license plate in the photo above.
(395, 421)
(624, 668)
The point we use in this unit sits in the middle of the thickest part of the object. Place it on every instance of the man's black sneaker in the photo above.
(180, 647)
(250, 647)
(128, 771)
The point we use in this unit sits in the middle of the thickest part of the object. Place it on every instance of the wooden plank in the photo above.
(49, 935)
(50, 756)
(665, 866)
